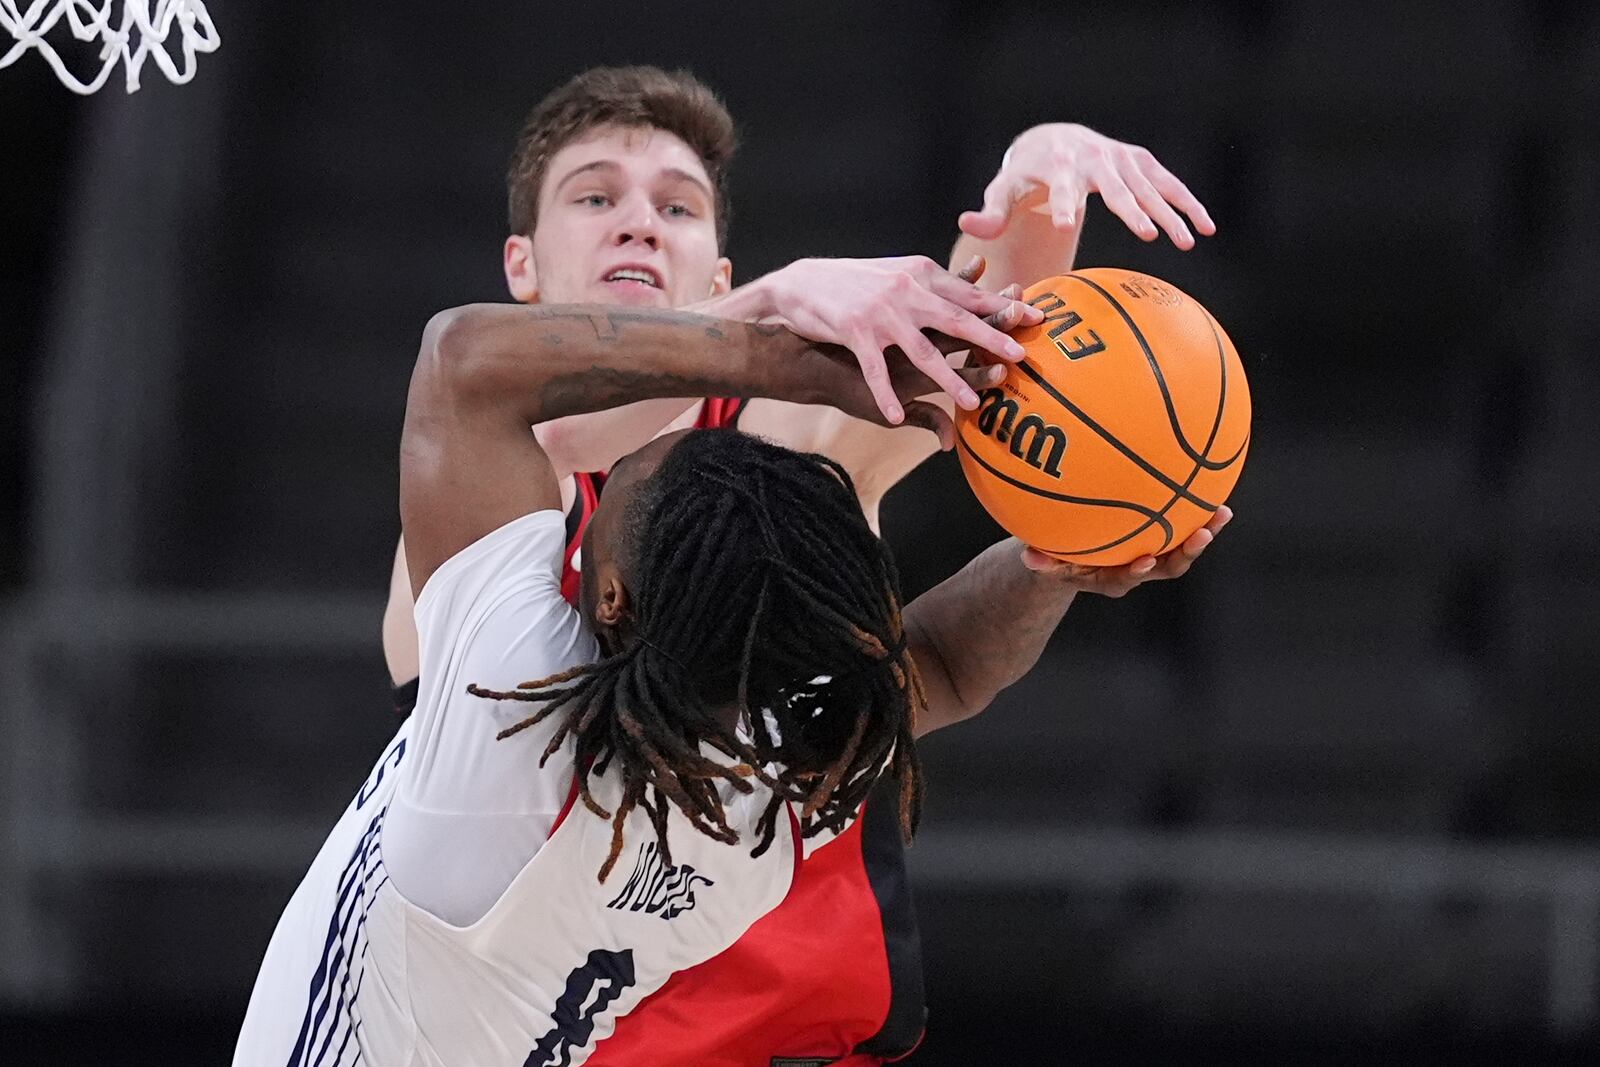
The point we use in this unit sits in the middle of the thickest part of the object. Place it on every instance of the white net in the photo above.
(129, 31)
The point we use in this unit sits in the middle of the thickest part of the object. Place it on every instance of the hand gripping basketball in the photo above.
(1117, 582)
(1122, 430)
(882, 312)
(911, 383)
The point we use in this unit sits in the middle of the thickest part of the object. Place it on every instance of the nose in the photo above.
(637, 222)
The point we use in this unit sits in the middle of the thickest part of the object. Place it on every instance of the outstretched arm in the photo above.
(1033, 208)
(468, 464)
(1027, 230)
(984, 628)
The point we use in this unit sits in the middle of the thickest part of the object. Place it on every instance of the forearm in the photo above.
(981, 630)
(595, 440)
(1031, 248)
(548, 362)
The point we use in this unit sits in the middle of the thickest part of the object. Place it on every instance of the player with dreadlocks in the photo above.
(740, 673)
(753, 572)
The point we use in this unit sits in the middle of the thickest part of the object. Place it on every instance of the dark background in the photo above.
(1333, 796)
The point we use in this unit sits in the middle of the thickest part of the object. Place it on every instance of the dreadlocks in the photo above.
(756, 583)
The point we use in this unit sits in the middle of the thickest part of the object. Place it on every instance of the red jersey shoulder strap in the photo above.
(584, 501)
(719, 413)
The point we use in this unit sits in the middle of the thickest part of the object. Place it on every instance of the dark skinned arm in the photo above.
(485, 373)
(981, 630)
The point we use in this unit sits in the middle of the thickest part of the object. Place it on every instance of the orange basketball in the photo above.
(1121, 431)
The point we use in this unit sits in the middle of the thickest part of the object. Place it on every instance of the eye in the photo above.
(594, 200)
(679, 211)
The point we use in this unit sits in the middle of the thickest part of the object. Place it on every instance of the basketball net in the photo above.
(128, 30)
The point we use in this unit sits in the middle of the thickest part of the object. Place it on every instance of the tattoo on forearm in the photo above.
(597, 388)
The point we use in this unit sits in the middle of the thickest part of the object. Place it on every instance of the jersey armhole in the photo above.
(561, 816)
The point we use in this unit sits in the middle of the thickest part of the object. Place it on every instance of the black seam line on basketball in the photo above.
(1155, 368)
(1106, 436)
(1222, 398)
(1194, 472)
(1126, 505)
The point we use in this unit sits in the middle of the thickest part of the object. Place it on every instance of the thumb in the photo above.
(1035, 560)
(989, 222)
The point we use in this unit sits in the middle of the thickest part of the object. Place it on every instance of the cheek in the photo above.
(696, 265)
(561, 244)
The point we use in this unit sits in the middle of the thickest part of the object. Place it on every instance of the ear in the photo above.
(612, 607)
(722, 278)
(522, 278)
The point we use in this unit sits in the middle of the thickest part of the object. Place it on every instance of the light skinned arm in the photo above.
(486, 372)
(983, 629)
(1033, 208)
(876, 456)
(1027, 230)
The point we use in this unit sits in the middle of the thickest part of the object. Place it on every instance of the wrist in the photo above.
(751, 302)
(782, 365)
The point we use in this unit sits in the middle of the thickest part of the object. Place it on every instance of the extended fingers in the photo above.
(990, 222)
(1015, 314)
(927, 358)
(1066, 199)
(1113, 189)
(1154, 205)
(983, 376)
(875, 371)
(979, 333)
(961, 291)
(1178, 195)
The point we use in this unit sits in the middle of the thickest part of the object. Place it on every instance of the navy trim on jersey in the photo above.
(883, 854)
(339, 953)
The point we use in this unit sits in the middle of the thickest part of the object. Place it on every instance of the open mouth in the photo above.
(635, 276)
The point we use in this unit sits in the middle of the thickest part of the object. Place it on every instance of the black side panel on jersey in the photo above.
(884, 855)
(405, 698)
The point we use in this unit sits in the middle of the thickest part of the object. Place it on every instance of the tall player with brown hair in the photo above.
(617, 194)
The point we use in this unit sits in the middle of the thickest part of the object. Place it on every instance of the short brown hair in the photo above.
(678, 103)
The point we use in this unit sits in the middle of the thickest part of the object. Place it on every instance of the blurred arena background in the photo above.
(1334, 796)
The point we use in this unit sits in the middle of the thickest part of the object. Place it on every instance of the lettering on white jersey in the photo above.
(658, 888)
(591, 987)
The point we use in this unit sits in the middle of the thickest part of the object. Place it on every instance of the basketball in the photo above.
(1123, 428)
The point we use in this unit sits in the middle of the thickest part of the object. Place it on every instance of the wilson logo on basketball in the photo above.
(1031, 439)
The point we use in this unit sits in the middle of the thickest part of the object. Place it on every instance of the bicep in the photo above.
(877, 457)
(595, 440)
(468, 465)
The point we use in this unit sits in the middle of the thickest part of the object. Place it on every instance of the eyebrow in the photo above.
(610, 166)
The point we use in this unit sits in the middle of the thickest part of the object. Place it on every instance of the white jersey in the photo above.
(455, 916)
